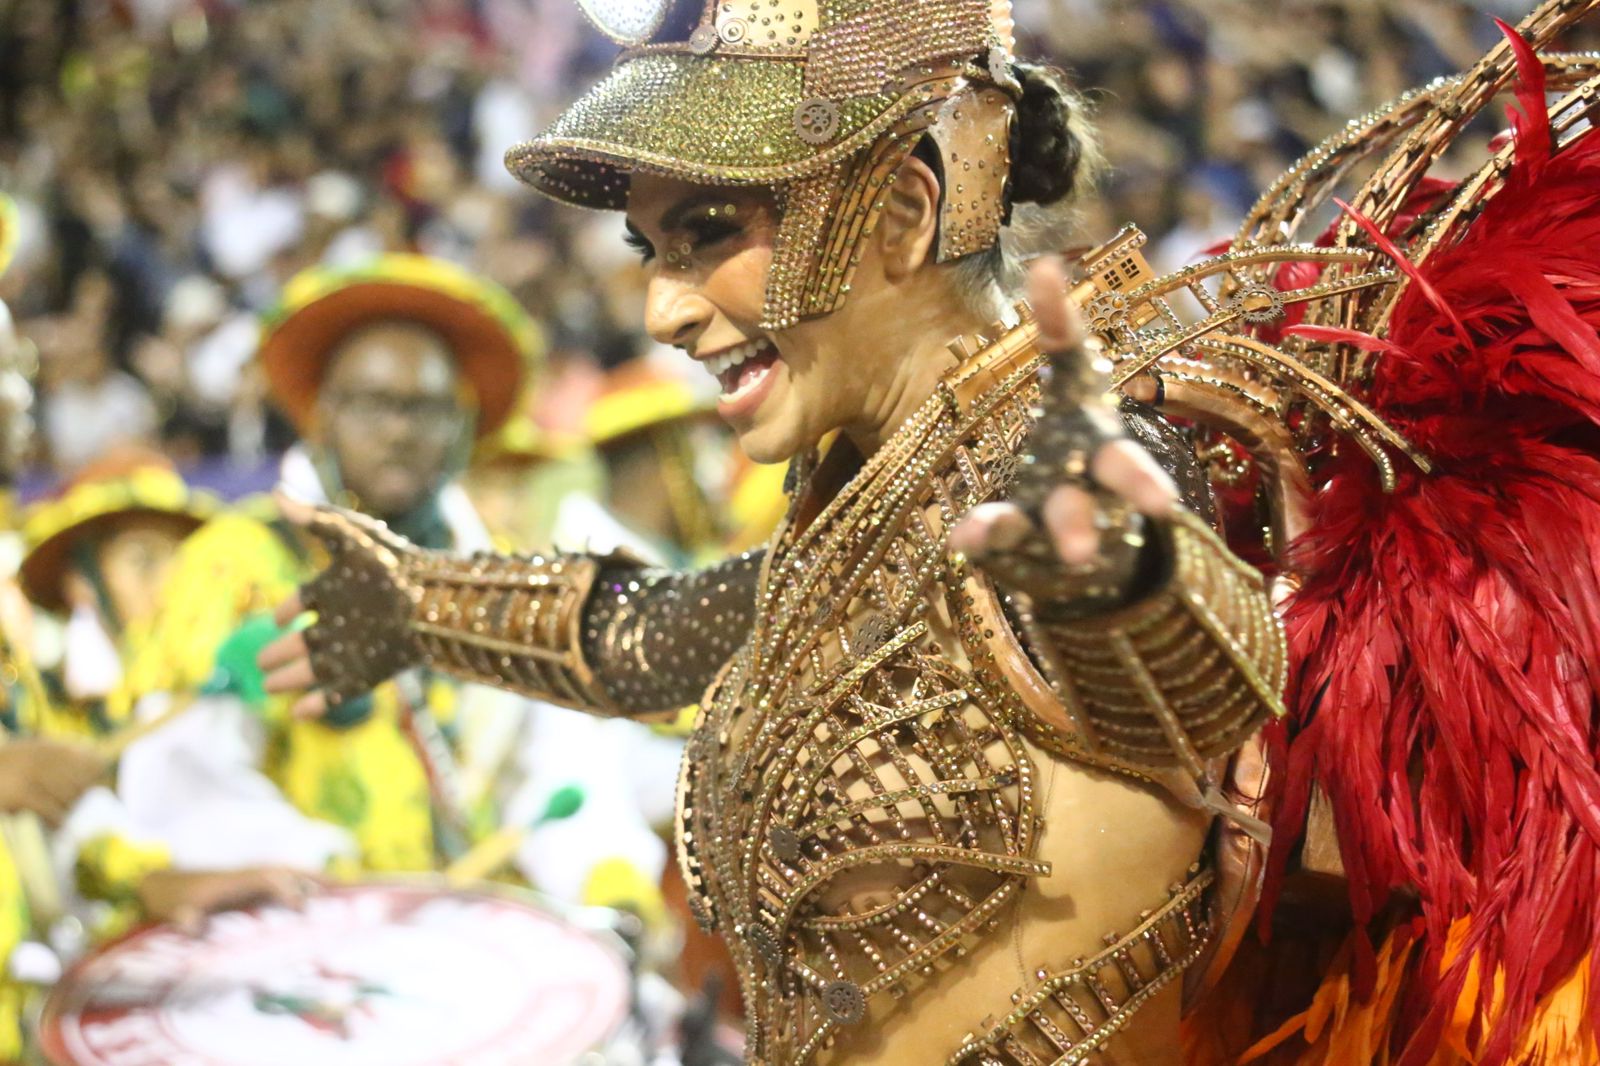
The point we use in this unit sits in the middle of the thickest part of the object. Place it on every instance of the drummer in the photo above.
(97, 557)
(390, 371)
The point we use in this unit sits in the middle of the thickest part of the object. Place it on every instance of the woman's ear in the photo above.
(909, 225)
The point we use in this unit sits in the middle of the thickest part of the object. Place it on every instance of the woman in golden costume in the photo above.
(950, 794)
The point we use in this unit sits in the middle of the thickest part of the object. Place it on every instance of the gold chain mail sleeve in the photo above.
(658, 638)
(1183, 674)
(602, 634)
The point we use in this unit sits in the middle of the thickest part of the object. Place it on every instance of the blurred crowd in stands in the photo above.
(174, 161)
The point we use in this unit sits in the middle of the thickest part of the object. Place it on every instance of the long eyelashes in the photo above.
(700, 234)
(636, 240)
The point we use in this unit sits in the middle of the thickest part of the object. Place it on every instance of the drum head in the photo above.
(365, 975)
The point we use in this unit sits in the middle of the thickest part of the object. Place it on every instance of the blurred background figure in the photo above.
(391, 371)
(40, 778)
(534, 488)
(663, 449)
(98, 558)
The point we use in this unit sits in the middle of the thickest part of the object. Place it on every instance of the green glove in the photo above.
(235, 672)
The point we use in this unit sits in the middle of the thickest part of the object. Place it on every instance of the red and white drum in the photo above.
(365, 975)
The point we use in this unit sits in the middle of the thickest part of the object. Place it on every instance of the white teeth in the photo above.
(721, 364)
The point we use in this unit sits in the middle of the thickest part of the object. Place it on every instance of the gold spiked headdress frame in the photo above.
(822, 100)
(1287, 400)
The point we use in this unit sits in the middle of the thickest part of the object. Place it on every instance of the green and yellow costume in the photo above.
(21, 696)
(21, 690)
(61, 534)
(366, 769)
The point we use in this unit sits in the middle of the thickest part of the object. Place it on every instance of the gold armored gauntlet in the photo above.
(512, 622)
(384, 605)
(601, 634)
(1185, 674)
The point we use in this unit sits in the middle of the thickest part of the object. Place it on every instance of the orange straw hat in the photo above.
(497, 344)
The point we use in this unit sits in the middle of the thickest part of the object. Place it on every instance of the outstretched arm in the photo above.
(1161, 645)
(600, 634)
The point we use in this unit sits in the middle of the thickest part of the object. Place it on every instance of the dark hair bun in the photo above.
(1053, 151)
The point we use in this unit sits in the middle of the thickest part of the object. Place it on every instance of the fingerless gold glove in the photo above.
(384, 605)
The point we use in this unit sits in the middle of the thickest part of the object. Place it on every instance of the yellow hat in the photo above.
(123, 485)
(495, 342)
(637, 398)
(521, 442)
(10, 231)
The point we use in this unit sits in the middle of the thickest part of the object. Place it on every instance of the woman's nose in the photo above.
(675, 313)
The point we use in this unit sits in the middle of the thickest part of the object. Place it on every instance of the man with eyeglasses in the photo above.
(390, 372)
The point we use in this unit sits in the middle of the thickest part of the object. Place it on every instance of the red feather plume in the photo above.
(1447, 635)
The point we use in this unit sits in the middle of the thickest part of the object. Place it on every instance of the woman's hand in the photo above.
(47, 777)
(286, 662)
(1080, 472)
(362, 635)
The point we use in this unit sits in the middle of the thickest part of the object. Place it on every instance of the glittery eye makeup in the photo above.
(693, 225)
(711, 227)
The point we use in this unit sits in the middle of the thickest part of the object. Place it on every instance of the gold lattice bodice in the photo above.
(858, 802)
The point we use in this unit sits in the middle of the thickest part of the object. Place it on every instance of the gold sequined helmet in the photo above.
(820, 99)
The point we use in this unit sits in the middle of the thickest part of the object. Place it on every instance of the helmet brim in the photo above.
(705, 119)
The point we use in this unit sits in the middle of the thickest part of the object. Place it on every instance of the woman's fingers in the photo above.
(990, 527)
(297, 676)
(1127, 470)
(311, 705)
(286, 662)
(1060, 325)
(1069, 518)
(289, 648)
